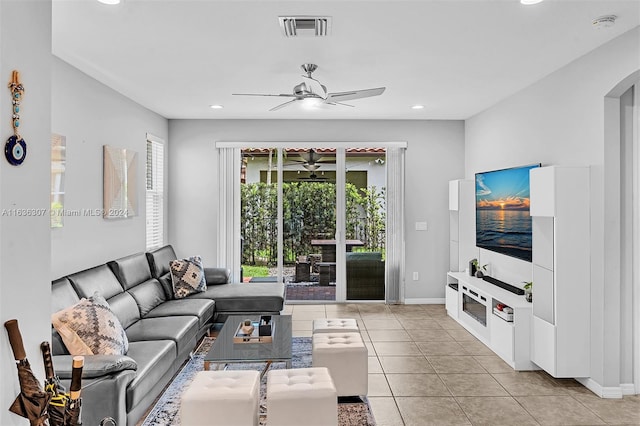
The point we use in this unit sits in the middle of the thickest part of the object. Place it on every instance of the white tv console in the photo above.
(510, 340)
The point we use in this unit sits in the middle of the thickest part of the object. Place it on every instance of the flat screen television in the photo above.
(503, 223)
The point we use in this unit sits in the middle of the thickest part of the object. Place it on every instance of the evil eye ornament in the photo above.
(15, 150)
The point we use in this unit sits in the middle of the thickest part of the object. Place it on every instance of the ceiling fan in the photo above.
(312, 89)
(313, 178)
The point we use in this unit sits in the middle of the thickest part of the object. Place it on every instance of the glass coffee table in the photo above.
(224, 351)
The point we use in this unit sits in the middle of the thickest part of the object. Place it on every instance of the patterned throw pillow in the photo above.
(187, 276)
(91, 328)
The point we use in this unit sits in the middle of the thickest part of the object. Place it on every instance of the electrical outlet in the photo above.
(415, 276)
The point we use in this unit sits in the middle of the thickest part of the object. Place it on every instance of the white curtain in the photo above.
(229, 243)
(395, 226)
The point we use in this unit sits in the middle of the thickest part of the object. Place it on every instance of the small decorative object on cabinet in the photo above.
(528, 293)
(477, 269)
(473, 265)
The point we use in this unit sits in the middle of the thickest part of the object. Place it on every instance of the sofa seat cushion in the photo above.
(182, 330)
(154, 359)
(202, 308)
(245, 297)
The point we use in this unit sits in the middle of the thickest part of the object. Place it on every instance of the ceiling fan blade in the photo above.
(262, 94)
(340, 103)
(316, 87)
(354, 94)
(275, 108)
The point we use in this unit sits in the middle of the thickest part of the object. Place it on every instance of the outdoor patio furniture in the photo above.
(327, 272)
(328, 248)
(314, 259)
(365, 276)
(303, 272)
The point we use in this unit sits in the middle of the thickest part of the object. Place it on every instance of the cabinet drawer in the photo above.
(451, 301)
(544, 345)
(502, 338)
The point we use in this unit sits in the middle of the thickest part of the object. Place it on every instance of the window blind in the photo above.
(155, 194)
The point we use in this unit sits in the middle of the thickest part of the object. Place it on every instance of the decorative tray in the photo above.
(263, 331)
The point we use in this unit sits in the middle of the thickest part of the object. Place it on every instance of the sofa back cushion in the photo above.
(148, 295)
(99, 278)
(125, 308)
(102, 280)
(62, 296)
(159, 260)
(159, 263)
(134, 274)
(131, 270)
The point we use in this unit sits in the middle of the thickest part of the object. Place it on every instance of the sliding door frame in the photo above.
(394, 274)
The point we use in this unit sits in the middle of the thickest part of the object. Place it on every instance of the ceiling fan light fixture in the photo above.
(305, 26)
(311, 103)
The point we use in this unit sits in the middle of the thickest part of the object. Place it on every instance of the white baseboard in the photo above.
(628, 388)
(609, 392)
(424, 301)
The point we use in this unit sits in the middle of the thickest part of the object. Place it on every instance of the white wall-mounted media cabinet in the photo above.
(561, 275)
(462, 224)
(473, 308)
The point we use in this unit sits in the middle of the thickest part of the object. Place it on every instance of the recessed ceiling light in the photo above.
(109, 2)
(417, 107)
(216, 106)
(530, 2)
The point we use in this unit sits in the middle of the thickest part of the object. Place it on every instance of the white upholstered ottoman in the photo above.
(345, 355)
(301, 396)
(221, 398)
(334, 325)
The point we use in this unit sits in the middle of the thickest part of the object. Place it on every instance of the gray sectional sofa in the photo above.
(162, 331)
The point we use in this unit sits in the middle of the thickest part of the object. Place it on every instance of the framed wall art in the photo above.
(120, 183)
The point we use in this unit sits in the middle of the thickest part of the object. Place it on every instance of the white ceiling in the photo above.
(457, 58)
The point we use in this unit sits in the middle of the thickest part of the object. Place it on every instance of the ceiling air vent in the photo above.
(305, 26)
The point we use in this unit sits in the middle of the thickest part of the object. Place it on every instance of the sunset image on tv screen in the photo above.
(503, 223)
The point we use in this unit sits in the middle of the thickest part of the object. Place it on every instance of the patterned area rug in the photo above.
(166, 411)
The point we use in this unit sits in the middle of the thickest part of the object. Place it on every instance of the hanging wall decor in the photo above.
(120, 183)
(15, 150)
(58, 167)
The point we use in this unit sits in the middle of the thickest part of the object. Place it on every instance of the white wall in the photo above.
(434, 156)
(560, 120)
(91, 115)
(25, 45)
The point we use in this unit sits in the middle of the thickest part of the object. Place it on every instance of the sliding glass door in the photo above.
(314, 217)
(365, 223)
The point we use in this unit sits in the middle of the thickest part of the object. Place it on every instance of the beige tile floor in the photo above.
(425, 369)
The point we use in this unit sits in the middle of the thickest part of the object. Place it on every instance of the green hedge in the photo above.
(309, 213)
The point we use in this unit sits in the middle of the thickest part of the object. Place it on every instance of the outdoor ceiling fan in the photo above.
(313, 178)
(312, 91)
(311, 160)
